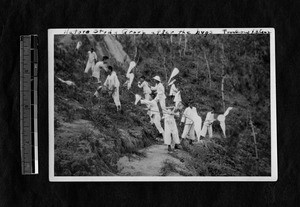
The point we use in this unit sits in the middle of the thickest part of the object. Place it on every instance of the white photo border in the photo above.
(204, 31)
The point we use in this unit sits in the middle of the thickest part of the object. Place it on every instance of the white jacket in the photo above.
(209, 117)
(99, 65)
(153, 107)
(145, 86)
(177, 97)
(160, 89)
(173, 90)
(189, 115)
(92, 57)
(112, 81)
(169, 119)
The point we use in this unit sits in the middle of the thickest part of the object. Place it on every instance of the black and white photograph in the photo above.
(162, 105)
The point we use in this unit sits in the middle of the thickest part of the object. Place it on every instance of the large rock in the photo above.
(116, 49)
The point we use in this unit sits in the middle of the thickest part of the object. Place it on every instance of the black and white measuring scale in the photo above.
(29, 103)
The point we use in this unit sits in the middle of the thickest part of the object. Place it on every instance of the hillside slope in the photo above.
(91, 138)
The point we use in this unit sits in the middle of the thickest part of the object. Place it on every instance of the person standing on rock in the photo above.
(98, 66)
(154, 114)
(112, 84)
(146, 89)
(92, 59)
(171, 130)
(160, 92)
(187, 119)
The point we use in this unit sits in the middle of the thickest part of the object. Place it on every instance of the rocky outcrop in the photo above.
(116, 49)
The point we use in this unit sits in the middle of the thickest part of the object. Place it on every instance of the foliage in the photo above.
(242, 60)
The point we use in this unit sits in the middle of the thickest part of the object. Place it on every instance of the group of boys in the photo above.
(192, 122)
(111, 83)
(190, 119)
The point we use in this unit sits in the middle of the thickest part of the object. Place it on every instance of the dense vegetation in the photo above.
(215, 70)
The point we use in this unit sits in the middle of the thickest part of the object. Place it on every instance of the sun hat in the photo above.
(157, 78)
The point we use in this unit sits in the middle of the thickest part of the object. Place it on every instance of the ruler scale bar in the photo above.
(29, 103)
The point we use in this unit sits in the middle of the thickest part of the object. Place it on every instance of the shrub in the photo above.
(86, 135)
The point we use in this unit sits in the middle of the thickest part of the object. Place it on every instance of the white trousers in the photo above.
(171, 130)
(188, 131)
(156, 120)
(162, 102)
(116, 97)
(207, 127)
(89, 66)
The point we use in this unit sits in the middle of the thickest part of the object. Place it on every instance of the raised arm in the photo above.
(154, 88)
(141, 85)
(144, 101)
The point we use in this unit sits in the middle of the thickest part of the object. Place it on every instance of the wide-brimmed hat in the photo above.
(157, 78)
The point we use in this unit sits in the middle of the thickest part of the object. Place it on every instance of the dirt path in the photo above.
(157, 161)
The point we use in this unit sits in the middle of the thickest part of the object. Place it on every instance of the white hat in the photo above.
(157, 78)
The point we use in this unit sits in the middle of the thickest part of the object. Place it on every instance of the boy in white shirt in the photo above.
(112, 83)
(92, 59)
(173, 89)
(171, 130)
(188, 116)
(177, 97)
(98, 66)
(154, 114)
(207, 125)
(146, 89)
(160, 91)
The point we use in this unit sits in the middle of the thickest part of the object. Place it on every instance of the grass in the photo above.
(140, 154)
(86, 135)
(168, 167)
